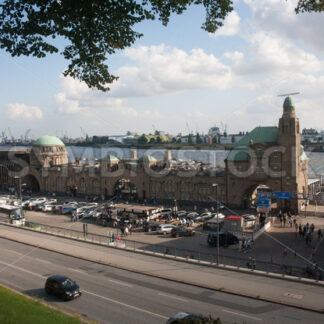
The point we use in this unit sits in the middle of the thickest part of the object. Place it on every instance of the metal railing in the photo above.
(119, 241)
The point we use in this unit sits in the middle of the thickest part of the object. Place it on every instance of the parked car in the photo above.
(182, 231)
(225, 239)
(48, 207)
(151, 226)
(165, 228)
(192, 214)
(62, 287)
(33, 202)
(166, 212)
(69, 207)
(181, 214)
(183, 318)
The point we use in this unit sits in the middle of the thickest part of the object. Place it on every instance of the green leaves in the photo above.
(310, 6)
(94, 29)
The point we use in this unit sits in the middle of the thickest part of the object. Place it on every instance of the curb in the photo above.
(221, 289)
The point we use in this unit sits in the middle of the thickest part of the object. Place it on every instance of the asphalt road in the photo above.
(112, 295)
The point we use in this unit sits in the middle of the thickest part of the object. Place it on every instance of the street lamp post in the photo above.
(19, 179)
(215, 185)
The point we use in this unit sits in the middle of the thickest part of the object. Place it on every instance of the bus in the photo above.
(14, 214)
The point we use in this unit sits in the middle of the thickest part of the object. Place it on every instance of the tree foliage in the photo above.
(93, 29)
(310, 6)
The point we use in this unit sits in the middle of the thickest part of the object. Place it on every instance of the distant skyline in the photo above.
(180, 75)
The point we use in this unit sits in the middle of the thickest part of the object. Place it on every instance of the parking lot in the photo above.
(268, 248)
(279, 247)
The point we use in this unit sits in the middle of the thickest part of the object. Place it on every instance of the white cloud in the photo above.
(98, 107)
(269, 54)
(22, 111)
(230, 27)
(164, 70)
(279, 18)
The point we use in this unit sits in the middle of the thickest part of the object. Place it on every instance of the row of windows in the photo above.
(46, 149)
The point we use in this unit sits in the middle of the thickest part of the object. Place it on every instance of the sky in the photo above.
(179, 78)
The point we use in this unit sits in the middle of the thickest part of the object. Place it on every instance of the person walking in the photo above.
(300, 230)
(253, 263)
(312, 227)
(319, 234)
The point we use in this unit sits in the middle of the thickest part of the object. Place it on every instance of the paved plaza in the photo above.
(280, 245)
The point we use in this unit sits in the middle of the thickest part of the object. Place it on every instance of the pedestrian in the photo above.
(126, 231)
(296, 226)
(253, 263)
(244, 245)
(248, 244)
(312, 227)
(304, 231)
(284, 221)
(319, 234)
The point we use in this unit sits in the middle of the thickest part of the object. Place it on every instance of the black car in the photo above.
(225, 239)
(151, 226)
(185, 318)
(182, 231)
(62, 287)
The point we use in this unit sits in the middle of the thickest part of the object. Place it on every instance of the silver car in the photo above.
(165, 228)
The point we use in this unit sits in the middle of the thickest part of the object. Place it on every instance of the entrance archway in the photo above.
(125, 189)
(251, 195)
(29, 182)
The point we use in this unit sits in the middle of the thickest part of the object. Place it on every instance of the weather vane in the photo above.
(288, 94)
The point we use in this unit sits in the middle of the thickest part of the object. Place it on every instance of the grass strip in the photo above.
(18, 309)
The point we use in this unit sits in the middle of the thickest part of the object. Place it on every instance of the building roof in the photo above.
(48, 140)
(260, 135)
(288, 102)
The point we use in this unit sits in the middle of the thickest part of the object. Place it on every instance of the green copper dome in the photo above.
(48, 140)
(288, 103)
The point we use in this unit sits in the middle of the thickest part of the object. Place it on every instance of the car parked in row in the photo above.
(165, 229)
(225, 239)
(33, 202)
(182, 231)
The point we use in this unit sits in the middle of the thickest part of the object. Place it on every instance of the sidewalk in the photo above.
(267, 248)
(297, 294)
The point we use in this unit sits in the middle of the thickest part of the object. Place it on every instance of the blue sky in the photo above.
(179, 75)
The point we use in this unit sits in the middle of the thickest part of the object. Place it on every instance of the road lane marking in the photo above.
(174, 297)
(8, 265)
(291, 317)
(120, 283)
(240, 314)
(77, 270)
(126, 305)
(287, 294)
(44, 261)
(88, 292)
(11, 251)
